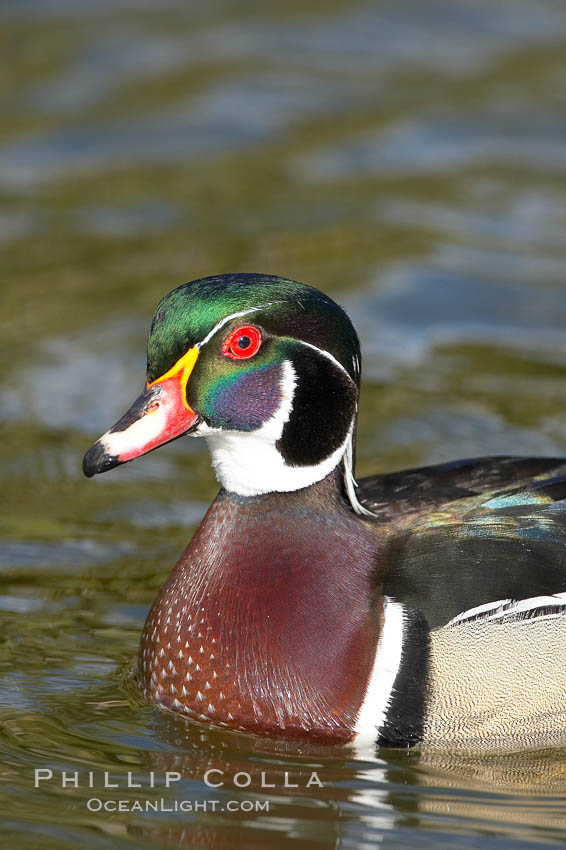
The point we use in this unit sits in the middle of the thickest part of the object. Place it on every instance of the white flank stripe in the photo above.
(479, 609)
(499, 609)
(373, 711)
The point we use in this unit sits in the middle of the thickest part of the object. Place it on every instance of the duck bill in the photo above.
(159, 415)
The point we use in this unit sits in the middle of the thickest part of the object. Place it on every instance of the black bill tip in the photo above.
(98, 460)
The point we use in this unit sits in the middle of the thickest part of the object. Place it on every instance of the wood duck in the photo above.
(425, 606)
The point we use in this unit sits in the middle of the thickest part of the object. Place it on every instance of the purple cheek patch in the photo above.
(245, 402)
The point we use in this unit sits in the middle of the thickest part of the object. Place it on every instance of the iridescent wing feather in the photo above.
(465, 534)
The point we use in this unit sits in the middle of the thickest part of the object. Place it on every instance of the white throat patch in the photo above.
(249, 463)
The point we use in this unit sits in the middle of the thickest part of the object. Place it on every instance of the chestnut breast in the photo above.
(267, 622)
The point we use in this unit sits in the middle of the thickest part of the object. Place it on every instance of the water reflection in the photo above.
(222, 776)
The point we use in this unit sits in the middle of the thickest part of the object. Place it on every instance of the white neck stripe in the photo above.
(349, 480)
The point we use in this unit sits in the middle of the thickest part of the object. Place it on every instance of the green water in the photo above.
(407, 157)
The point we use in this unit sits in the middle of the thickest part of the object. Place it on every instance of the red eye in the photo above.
(242, 343)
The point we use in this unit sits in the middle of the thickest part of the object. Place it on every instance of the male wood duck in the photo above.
(424, 606)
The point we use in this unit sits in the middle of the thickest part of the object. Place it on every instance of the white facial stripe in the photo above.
(241, 313)
(227, 319)
(373, 711)
(325, 354)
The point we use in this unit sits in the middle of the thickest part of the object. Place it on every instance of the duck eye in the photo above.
(242, 343)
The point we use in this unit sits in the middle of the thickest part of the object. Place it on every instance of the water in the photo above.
(409, 159)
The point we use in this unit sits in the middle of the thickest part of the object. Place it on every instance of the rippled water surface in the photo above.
(407, 157)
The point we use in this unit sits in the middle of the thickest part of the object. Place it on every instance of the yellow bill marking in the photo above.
(182, 369)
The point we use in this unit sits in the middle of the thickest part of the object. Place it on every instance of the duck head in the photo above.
(266, 369)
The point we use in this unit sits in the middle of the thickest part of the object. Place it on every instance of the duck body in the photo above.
(240, 632)
(425, 606)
